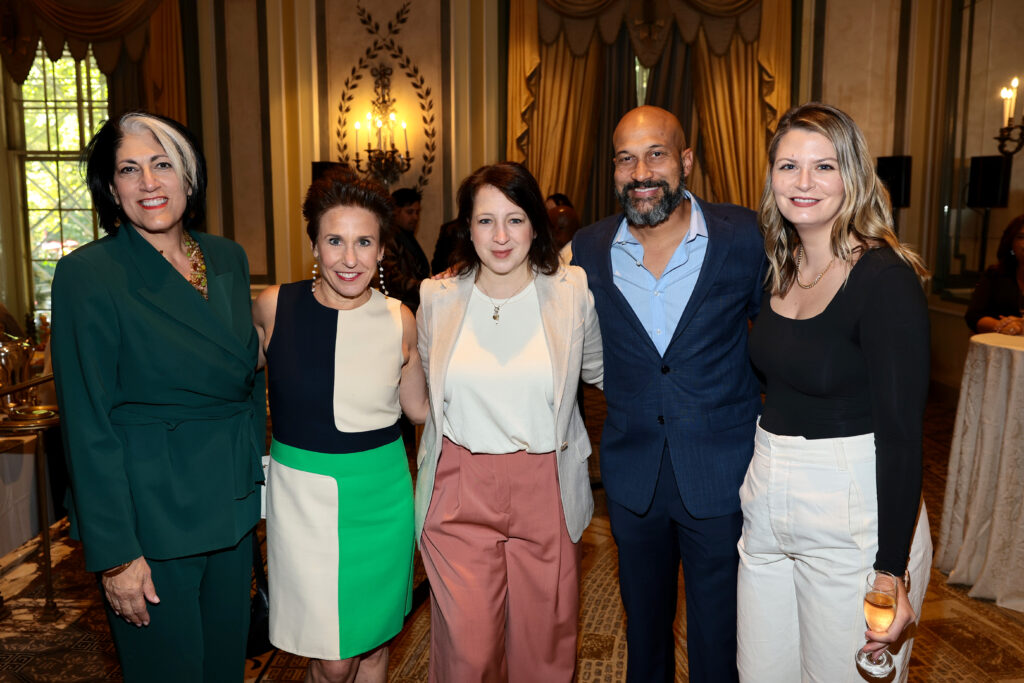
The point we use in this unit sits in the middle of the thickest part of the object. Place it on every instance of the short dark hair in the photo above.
(520, 187)
(560, 199)
(406, 196)
(1007, 260)
(342, 187)
(99, 159)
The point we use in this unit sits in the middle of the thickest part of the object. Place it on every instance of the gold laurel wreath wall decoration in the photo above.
(384, 42)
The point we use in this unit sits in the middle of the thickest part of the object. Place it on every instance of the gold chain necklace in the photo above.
(799, 259)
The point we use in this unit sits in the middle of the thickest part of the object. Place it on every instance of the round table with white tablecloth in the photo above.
(981, 539)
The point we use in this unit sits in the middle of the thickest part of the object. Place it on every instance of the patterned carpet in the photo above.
(959, 639)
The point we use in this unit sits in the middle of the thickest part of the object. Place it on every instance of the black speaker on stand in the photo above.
(894, 172)
(987, 189)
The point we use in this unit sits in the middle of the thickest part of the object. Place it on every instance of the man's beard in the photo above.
(658, 213)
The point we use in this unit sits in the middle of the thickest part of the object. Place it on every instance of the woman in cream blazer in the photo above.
(503, 492)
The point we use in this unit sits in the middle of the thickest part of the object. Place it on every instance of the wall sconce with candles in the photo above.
(384, 162)
(1006, 136)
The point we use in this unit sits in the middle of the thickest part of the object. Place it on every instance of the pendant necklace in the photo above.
(496, 314)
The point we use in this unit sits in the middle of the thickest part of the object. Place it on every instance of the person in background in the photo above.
(557, 199)
(834, 487)
(503, 493)
(564, 224)
(405, 265)
(997, 304)
(675, 281)
(342, 366)
(162, 409)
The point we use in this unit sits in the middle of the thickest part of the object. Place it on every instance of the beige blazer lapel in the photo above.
(448, 315)
(556, 313)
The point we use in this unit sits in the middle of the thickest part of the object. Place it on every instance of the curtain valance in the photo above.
(109, 26)
(649, 23)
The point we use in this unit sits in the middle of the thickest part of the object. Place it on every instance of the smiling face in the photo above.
(501, 233)
(347, 249)
(650, 165)
(806, 182)
(147, 186)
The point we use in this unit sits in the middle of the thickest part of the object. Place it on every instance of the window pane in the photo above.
(68, 136)
(42, 276)
(73, 192)
(44, 227)
(77, 228)
(41, 184)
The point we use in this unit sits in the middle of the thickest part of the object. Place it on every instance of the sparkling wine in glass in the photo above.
(880, 594)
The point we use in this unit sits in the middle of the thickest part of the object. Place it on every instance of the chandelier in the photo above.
(384, 162)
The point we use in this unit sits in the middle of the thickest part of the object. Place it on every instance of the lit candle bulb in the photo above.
(1005, 94)
(380, 124)
(357, 138)
(1013, 98)
(406, 134)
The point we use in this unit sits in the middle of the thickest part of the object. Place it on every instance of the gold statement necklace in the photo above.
(799, 260)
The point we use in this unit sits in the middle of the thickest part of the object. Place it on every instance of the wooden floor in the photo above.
(960, 639)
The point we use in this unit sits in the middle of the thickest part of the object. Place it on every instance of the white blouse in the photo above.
(499, 390)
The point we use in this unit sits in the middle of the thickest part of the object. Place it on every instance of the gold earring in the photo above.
(316, 274)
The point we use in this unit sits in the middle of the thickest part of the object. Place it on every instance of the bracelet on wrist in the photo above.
(114, 571)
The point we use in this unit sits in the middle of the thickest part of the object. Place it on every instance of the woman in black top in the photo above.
(834, 487)
(997, 304)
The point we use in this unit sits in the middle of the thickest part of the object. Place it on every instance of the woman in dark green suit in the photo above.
(163, 412)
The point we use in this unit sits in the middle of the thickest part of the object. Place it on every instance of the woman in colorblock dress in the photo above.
(342, 366)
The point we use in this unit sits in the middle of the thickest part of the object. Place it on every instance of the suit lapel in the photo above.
(720, 237)
(608, 278)
(166, 290)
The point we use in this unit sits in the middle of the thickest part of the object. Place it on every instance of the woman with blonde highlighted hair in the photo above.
(834, 488)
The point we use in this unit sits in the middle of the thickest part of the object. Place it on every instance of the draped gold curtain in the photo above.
(523, 70)
(563, 123)
(741, 84)
(551, 99)
(137, 43)
(739, 96)
(728, 103)
(163, 71)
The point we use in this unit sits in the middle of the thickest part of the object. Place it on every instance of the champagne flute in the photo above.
(880, 597)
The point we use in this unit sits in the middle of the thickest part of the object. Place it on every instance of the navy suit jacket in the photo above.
(702, 398)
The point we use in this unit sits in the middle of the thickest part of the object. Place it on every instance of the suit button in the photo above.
(661, 419)
(664, 369)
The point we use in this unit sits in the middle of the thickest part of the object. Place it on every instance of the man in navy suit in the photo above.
(675, 281)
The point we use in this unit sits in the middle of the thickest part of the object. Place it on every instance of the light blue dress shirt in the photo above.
(659, 302)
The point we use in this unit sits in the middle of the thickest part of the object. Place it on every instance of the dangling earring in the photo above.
(315, 275)
(380, 270)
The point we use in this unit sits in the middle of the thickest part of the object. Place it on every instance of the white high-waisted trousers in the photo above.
(810, 533)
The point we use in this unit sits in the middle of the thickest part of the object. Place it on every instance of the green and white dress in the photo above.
(339, 498)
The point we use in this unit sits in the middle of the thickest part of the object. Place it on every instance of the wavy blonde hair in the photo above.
(865, 215)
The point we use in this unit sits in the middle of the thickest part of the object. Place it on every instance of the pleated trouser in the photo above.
(504, 574)
(810, 534)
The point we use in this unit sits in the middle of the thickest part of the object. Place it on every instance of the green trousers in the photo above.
(198, 630)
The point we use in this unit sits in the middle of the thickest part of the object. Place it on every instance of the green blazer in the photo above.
(162, 410)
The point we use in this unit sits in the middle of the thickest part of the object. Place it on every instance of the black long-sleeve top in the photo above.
(995, 294)
(860, 366)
